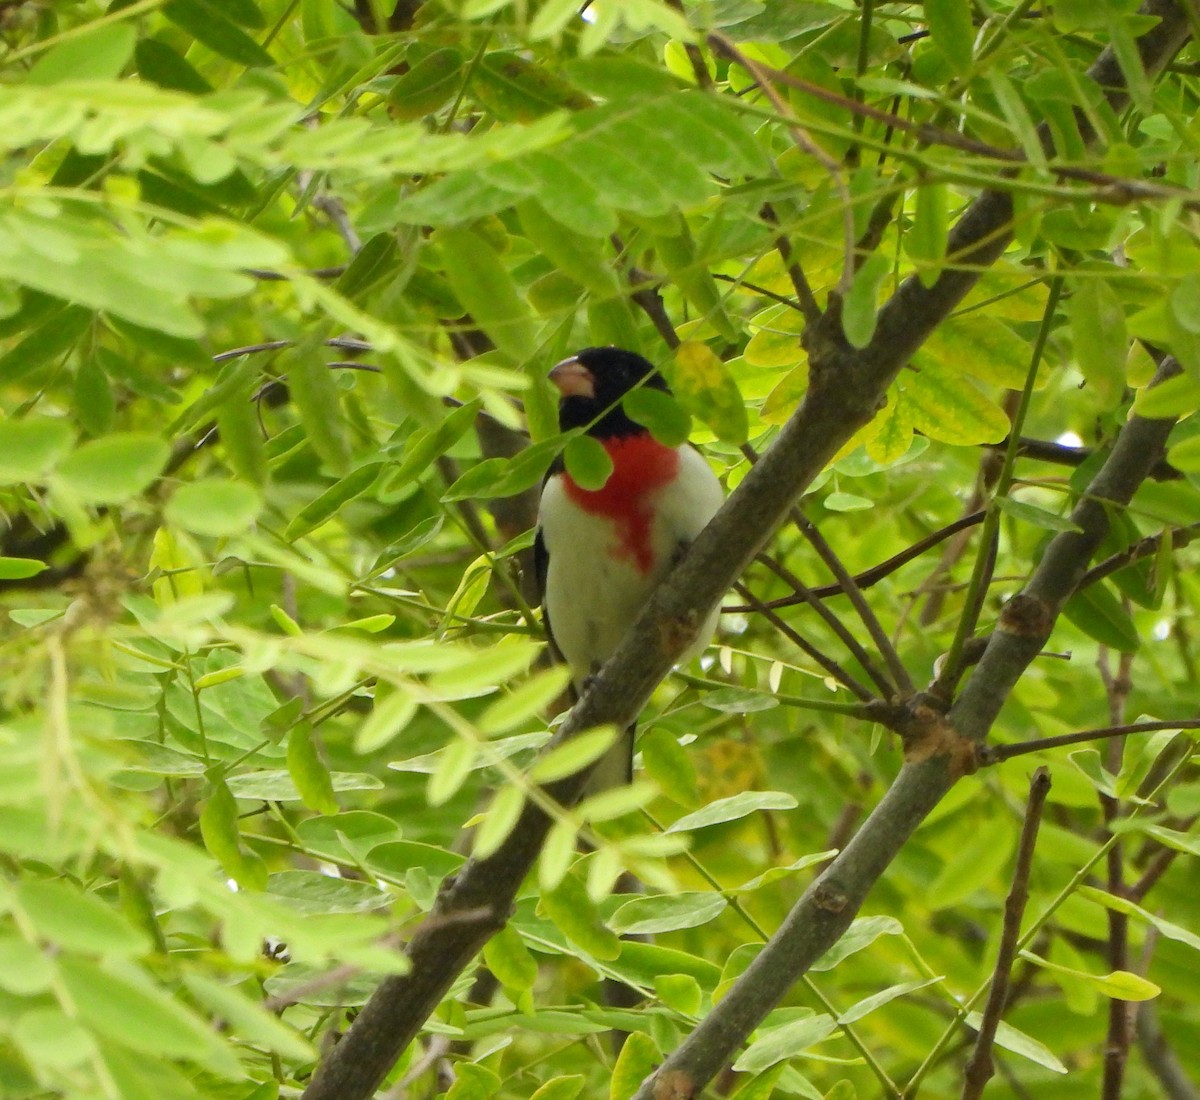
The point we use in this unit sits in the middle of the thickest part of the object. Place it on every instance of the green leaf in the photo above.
(207, 23)
(574, 254)
(925, 240)
(858, 307)
(557, 854)
(428, 444)
(1184, 303)
(213, 506)
(1098, 612)
(885, 996)
(561, 1088)
(76, 921)
(773, 873)
(1185, 454)
(950, 408)
(705, 387)
(1165, 927)
(679, 256)
(123, 1005)
(308, 770)
(862, 933)
(1098, 333)
(316, 395)
(1087, 761)
(952, 32)
(276, 785)
(487, 291)
(457, 762)
(1120, 985)
(394, 708)
(666, 418)
(570, 908)
(983, 346)
(525, 701)
(375, 261)
(666, 913)
(498, 821)
(222, 836)
(731, 808)
(93, 398)
(330, 502)
(506, 956)
(16, 569)
(680, 992)
(99, 53)
(1009, 1038)
(114, 469)
(516, 89)
(638, 1059)
(248, 1021)
(780, 1043)
(847, 502)
(31, 447)
(588, 463)
(51, 340)
(574, 754)
(1038, 517)
(160, 64)
(427, 85)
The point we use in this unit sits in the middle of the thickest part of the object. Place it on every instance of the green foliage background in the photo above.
(266, 651)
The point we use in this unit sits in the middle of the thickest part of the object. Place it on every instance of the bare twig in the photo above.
(809, 306)
(833, 622)
(865, 612)
(827, 663)
(995, 754)
(1107, 189)
(980, 1067)
(805, 142)
(869, 577)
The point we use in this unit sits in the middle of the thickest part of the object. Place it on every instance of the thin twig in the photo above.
(1108, 189)
(1144, 548)
(870, 577)
(996, 754)
(834, 623)
(809, 306)
(828, 664)
(805, 142)
(980, 1068)
(865, 612)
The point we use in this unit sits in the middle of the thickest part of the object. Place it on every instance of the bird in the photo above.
(599, 553)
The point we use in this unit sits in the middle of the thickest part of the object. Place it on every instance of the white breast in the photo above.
(594, 592)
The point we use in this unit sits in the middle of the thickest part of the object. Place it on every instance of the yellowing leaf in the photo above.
(949, 408)
(707, 390)
(984, 347)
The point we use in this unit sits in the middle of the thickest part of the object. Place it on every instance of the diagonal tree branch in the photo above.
(936, 758)
(847, 388)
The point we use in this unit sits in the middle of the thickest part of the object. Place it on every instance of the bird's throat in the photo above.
(641, 466)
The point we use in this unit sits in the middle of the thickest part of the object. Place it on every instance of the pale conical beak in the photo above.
(573, 379)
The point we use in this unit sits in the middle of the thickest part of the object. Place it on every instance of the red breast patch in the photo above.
(640, 465)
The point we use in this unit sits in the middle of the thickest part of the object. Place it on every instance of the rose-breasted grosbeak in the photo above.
(599, 553)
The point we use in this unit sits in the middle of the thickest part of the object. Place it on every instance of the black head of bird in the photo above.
(593, 383)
